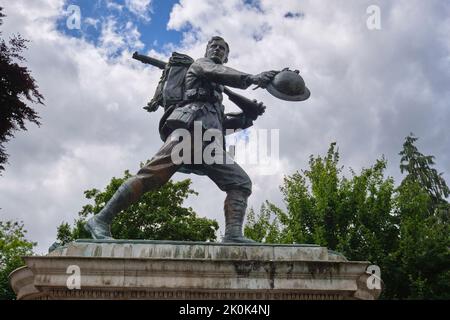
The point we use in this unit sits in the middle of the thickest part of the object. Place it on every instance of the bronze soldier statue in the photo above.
(204, 83)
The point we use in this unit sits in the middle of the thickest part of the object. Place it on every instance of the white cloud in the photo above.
(369, 90)
(359, 78)
(93, 125)
(92, 22)
(141, 8)
(114, 37)
(111, 4)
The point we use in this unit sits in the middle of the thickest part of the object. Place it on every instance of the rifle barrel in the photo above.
(149, 60)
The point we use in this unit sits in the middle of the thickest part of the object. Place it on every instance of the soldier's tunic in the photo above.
(203, 86)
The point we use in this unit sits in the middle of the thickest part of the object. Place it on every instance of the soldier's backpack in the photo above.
(170, 89)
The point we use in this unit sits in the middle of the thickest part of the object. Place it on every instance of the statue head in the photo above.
(217, 50)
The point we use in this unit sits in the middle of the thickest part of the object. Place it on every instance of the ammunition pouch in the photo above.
(182, 117)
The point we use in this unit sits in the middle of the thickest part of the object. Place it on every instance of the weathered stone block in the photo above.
(126, 269)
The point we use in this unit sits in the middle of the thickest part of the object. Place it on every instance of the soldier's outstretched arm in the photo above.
(230, 77)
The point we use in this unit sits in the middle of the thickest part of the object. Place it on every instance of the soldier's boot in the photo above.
(99, 226)
(235, 206)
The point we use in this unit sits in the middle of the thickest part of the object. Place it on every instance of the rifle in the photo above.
(251, 108)
(149, 60)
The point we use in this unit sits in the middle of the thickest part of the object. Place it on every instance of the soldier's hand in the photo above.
(264, 78)
(260, 107)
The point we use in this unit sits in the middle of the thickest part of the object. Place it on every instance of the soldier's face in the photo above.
(217, 51)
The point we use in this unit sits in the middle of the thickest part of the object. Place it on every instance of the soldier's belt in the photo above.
(201, 94)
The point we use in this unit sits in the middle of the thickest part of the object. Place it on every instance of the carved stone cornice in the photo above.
(162, 270)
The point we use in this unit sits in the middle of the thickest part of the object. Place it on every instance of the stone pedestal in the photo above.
(125, 269)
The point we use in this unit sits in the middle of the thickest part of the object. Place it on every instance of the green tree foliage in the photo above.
(422, 261)
(158, 215)
(423, 258)
(404, 230)
(262, 228)
(419, 169)
(16, 84)
(13, 246)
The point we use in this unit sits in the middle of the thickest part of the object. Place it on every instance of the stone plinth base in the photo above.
(125, 269)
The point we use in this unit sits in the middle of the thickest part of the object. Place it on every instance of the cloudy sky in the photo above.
(370, 88)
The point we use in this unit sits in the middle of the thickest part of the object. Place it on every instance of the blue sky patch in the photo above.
(95, 14)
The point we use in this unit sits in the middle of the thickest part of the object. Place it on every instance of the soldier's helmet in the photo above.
(289, 85)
